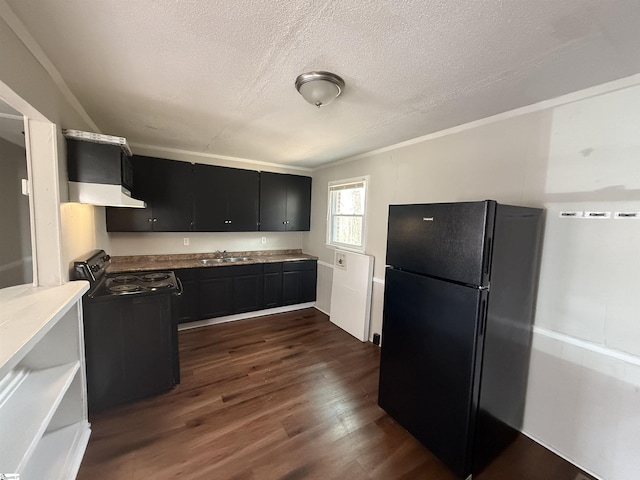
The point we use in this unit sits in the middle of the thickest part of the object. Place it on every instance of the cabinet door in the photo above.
(272, 285)
(243, 187)
(172, 196)
(210, 199)
(298, 282)
(298, 209)
(307, 286)
(185, 306)
(226, 199)
(216, 293)
(273, 201)
(248, 292)
(147, 347)
(103, 324)
(124, 219)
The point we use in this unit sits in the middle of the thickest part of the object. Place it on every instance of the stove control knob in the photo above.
(94, 268)
(105, 258)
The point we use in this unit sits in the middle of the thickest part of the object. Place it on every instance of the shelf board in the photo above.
(28, 404)
(27, 313)
(59, 453)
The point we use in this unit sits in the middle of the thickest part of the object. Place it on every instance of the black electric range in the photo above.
(93, 268)
(131, 336)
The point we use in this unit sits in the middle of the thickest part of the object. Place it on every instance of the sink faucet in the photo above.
(221, 254)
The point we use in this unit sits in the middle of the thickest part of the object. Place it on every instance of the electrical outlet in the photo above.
(264, 240)
(185, 240)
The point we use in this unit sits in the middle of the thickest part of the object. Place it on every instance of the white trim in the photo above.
(593, 347)
(322, 310)
(590, 92)
(179, 151)
(365, 180)
(329, 265)
(325, 264)
(243, 316)
(25, 37)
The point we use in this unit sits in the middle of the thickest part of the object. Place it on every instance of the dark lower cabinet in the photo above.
(216, 298)
(186, 306)
(248, 290)
(272, 285)
(299, 282)
(230, 289)
(129, 349)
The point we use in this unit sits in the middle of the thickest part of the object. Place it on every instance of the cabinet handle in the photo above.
(150, 219)
(155, 219)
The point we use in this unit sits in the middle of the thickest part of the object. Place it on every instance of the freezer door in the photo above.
(445, 240)
(428, 382)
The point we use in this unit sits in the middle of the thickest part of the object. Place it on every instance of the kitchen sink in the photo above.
(208, 261)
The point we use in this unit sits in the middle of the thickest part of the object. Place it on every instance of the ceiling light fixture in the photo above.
(319, 88)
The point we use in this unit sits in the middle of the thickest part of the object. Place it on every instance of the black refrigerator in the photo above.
(460, 287)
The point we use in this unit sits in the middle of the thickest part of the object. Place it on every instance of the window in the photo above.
(346, 216)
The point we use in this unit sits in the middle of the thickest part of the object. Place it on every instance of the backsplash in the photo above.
(158, 243)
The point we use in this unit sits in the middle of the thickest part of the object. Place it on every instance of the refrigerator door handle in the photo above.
(483, 317)
(487, 256)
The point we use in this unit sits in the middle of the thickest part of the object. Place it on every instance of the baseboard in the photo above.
(243, 316)
(561, 455)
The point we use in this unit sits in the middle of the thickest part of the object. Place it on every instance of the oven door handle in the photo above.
(180, 288)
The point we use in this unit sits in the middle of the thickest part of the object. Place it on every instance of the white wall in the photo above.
(584, 389)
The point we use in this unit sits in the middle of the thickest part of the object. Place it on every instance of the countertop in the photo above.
(138, 263)
(27, 313)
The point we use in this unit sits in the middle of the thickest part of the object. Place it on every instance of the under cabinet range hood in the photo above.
(100, 171)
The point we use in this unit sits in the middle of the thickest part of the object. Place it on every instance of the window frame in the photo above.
(365, 179)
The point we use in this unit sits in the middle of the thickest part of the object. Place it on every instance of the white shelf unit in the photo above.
(43, 406)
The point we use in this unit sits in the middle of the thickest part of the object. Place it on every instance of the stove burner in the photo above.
(124, 288)
(152, 277)
(160, 286)
(123, 279)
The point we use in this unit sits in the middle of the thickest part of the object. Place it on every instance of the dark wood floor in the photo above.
(288, 397)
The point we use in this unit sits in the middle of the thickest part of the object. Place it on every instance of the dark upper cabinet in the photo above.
(166, 187)
(285, 202)
(172, 196)
(182, 197)
(225, 199)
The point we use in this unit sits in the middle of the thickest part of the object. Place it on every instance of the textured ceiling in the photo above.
(218, 76)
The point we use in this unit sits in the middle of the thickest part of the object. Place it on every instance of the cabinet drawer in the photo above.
(299, 265)
(231, 271)
(273, 267)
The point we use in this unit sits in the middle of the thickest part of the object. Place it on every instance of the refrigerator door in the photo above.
(431, 340)
(445, 240)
